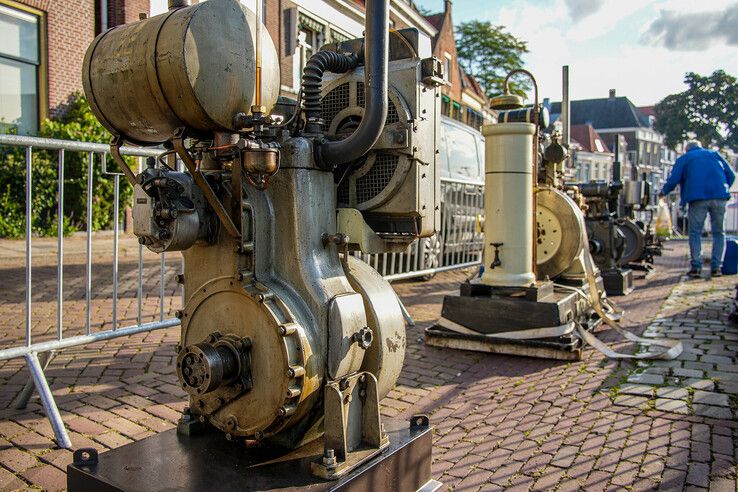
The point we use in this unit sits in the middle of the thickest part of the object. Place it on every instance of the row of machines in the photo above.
(288, 343)
(620, 243)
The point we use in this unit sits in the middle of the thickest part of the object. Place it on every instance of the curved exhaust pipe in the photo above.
(376, 53)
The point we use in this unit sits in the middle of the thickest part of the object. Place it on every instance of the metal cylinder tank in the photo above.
(192, 67)
(508, 205)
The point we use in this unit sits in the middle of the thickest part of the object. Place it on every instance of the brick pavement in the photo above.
(500, 421)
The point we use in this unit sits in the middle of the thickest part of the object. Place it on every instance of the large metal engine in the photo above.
(285, 336)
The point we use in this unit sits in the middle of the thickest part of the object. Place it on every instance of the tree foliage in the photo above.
(489, 53)
(706, 111)
(77, 124)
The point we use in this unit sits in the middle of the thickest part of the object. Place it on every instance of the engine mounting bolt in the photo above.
(329, 458)
(229, 437)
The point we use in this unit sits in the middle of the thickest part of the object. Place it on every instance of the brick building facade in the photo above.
(43, 43)
(462, 98)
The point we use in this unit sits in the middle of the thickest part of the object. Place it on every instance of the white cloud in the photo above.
(694, 31)
(603, 49)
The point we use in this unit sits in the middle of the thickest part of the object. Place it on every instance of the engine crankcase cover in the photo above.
(280, 354)
(386, 354)
(635, 242)
(560, 236)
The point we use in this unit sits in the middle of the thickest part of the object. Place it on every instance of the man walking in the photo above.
(704, 178)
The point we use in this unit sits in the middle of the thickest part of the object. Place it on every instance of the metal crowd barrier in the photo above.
(31, 350)
(458, 245)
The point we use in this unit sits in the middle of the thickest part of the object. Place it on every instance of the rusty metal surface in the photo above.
(192, 67)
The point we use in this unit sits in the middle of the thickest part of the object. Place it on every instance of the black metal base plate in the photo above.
(208, 462)
(618, 281)
(541, 290)
(490, 315)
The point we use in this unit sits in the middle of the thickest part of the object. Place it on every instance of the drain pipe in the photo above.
(376, 52)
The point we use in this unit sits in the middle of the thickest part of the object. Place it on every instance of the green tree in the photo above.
(707, 111)
(78, 124)
(489, 53)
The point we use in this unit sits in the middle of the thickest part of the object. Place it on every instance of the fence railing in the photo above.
(457, 245)
(95, 156)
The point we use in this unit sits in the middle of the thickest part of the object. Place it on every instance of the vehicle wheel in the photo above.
(430, 250)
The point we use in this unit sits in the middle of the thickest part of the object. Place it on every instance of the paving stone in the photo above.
(676, 406)
(712, 411)
(672, 393)
(687, 373)
(710, 398)
(645, 378)
(698, 474)
(717, 359)
(700, 384)
(636, 389)
(631, 401)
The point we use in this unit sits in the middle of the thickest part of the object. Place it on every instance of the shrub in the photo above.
(77, 124)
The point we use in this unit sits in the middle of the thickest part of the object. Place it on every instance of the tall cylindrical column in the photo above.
(508, 205)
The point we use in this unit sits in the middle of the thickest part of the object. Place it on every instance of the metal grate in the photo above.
(334, 102)
(372, 183)
(392, 115)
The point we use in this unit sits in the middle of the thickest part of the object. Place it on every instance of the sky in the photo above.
(640, 48)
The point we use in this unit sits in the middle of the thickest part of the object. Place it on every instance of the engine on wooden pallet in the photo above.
(287, 341)
(529, 299)
(618, 242)
(606, 240)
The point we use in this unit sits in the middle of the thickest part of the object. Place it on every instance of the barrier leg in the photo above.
(52, 412)
(25, 395)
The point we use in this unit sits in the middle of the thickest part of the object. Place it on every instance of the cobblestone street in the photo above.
(500, 421)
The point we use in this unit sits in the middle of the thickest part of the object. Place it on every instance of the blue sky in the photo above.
(641, 48)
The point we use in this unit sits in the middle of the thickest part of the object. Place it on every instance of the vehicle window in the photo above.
(463, 154)
(445, 171)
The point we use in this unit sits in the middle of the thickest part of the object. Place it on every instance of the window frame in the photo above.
(42, 82)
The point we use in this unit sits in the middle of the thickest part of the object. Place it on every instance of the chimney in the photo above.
(612, 93)
(447, 7)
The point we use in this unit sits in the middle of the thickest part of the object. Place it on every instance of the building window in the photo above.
(445, 105)
(474, 119)
(21, 69)
(456, 111)
(310, 37)
(447, 68)
(337, 36)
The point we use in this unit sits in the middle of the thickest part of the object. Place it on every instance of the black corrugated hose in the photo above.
(312, 79)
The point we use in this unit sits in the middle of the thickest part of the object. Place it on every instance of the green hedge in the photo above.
(77, 124)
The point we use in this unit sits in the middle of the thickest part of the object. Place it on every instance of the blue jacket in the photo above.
(701, 175)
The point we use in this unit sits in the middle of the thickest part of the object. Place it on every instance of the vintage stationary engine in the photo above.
(607, 241)
(285, 336)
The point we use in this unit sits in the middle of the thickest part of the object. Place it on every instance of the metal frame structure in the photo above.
(458, 245)
(30, 351)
